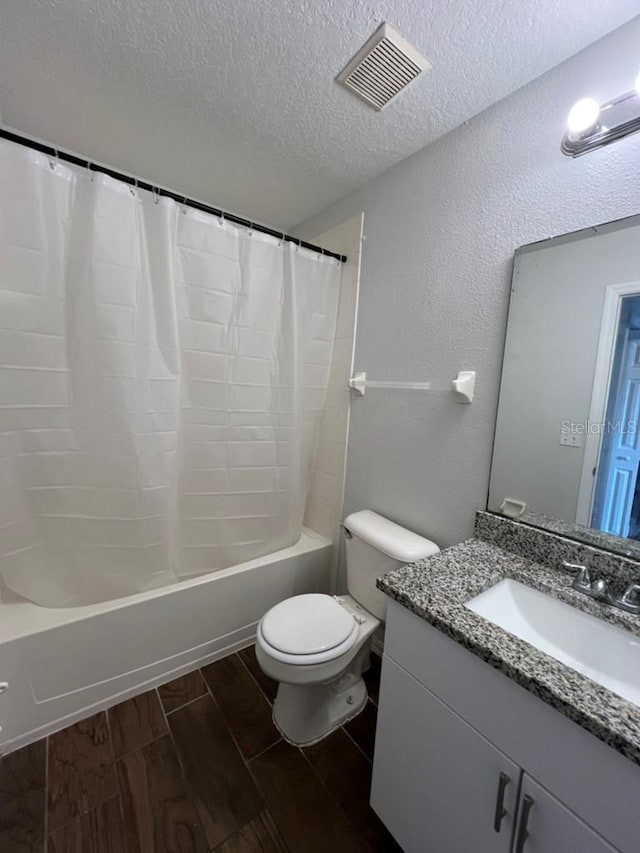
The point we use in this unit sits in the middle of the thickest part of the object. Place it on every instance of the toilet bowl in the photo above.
(317, 646)
(318, 662)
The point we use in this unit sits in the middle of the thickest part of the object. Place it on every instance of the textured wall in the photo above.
(441, 230)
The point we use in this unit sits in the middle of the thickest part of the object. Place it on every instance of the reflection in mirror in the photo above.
(567, 446)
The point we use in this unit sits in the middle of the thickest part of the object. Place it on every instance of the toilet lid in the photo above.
(307, 624)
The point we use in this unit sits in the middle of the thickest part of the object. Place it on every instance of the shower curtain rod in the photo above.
(144, 185)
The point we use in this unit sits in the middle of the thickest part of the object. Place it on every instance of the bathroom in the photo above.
(305, 373)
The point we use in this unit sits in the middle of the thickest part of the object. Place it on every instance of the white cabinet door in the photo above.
(435, 779)
(545, 825)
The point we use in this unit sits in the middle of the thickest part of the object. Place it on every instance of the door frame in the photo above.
(613, 296)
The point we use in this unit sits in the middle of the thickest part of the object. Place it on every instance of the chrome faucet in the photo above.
(629, 600)
(599, 589)
(582, 580)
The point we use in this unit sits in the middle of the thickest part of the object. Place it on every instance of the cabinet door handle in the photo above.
(500, 812)
(527, 804)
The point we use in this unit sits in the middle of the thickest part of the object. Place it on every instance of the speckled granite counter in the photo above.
(589, 535)
(437, 589)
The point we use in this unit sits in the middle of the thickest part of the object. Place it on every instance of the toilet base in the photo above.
(314, 700)
(305, 714)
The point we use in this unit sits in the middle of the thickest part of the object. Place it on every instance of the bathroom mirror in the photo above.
(567, 446)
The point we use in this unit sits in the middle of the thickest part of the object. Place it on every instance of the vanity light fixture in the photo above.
(590, 125)
(583, 118)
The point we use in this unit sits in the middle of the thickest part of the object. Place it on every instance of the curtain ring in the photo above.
(133, 190)
(56, 159)
(90, 170)
(184, 205)
(156, 195)
(221, 218)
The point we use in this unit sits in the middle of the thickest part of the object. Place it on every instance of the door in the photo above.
(616, 479)
(437, 783)
(547, 826)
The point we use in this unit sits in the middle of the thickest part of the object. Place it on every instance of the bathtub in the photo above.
(63, 664)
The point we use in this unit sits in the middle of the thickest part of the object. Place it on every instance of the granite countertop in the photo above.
(590, 535)
(437, 588)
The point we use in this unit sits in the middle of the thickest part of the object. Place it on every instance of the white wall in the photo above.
(550, 358)
(441, 229)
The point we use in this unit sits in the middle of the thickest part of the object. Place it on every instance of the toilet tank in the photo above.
(374, 546)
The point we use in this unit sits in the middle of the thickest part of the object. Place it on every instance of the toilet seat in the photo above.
(307, 629)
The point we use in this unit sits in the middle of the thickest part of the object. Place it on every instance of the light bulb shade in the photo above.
(583, 118)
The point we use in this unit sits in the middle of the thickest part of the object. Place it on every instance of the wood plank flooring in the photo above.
(136, 722)
(196, 766)
(244, 707)
(81, 772)
(22, 798)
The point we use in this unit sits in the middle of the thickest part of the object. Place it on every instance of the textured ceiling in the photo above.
(234, 101)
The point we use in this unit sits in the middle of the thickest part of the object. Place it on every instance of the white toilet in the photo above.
(317, 646)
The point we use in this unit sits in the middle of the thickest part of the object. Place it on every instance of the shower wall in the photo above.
(325, 503)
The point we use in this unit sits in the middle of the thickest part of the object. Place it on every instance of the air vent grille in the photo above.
(384, 66)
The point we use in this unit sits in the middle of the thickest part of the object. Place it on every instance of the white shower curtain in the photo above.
(161, 384)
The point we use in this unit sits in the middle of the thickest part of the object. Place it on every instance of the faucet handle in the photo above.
(630, 598)
(572, 567)
(582, 580)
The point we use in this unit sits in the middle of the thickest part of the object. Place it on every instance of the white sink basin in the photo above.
(606, 654)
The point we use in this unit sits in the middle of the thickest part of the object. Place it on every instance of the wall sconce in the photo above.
(590, 125)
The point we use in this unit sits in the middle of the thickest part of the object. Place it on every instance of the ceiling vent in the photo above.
(382, 68)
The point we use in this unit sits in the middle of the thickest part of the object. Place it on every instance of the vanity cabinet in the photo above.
(439, 785)
(546, 825)
(451, 727)
(435, 781)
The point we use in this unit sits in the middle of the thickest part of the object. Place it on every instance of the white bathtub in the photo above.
(64, 664)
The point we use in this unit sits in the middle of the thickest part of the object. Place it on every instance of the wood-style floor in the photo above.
(193, 767)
